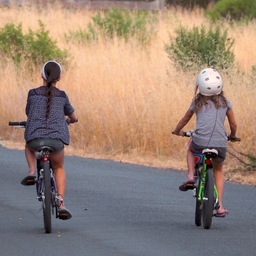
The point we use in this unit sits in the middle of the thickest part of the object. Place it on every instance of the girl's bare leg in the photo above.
(57, 161)
(219, 181)
(191, 164)
(31, 160)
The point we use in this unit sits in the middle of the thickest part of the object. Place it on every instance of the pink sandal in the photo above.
(221, 214)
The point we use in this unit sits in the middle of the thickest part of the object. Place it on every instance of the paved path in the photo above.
(120, 210)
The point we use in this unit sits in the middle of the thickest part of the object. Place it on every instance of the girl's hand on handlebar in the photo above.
(233, 139)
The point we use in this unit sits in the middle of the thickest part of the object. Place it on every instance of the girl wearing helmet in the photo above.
(211, 109)
(46, 110)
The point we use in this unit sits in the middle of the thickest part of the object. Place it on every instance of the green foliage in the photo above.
(190, 4)
(11, 42)
(35, 46)
(123, 24)
(199, 48)
(234, 10)
(254, 71)
(252, 160)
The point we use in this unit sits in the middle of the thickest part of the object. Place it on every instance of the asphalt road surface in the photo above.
(120, 210)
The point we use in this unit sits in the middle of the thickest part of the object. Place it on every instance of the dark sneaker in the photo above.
(64, 214)
(189, 184)
(29, 180)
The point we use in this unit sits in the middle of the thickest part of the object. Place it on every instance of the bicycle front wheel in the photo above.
(47, 198)
(208, 200)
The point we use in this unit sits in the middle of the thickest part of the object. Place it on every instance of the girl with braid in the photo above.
(47, 125)
(211, 109)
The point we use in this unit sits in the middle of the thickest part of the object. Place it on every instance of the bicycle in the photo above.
(205, 190)
(46, 188)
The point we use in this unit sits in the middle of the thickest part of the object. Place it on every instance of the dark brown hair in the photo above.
(218, 100)
(51, 74)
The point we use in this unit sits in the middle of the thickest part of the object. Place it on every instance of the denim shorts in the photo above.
(221, 151)
(56, 144)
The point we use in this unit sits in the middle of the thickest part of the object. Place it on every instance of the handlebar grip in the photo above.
(188, 134)
(234, 139)
(22, 123)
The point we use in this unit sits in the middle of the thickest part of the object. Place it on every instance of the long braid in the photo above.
(51, 73)
(48, 103)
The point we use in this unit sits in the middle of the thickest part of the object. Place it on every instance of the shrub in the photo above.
(190, 4)
(198, 48)
(12, 42)
(254, 71)
(35, 46)
(123, 24)
(234, 10)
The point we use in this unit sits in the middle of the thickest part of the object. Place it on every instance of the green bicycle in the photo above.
(205, 191)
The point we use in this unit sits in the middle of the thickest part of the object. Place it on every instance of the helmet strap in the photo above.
(196, 89)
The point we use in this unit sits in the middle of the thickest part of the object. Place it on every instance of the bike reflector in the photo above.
(198, 158)
(208, 161)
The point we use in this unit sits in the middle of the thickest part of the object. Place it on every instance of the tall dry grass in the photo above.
(128, 100)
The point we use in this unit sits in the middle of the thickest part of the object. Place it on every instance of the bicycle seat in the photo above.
(45, 149)
(210, 153)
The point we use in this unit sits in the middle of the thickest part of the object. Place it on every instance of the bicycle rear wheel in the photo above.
(208, 200)
(47, 198)
(198, 211)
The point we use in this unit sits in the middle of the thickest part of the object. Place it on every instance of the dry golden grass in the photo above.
(128, 100)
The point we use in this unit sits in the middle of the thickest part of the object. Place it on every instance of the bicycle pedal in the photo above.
(39, 199)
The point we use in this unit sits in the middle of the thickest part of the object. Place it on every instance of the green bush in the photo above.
(189, 4)
(199, 48)
(123, 24)
(12, 42)
(35, 46)
(234, 10)
(254, 71)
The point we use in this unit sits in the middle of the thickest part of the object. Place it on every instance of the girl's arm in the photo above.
(72, 118)
(232, 123)
(184, 120)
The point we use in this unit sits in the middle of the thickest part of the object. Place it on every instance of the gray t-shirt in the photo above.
(210, 130)
(36, 112)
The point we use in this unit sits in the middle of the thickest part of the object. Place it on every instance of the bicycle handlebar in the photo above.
(190, 134)
(233, 139)
(20, 124)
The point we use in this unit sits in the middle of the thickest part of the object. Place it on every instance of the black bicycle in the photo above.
(46, 188)
(205, 190)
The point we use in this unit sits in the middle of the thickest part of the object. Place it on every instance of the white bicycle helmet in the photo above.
(209, 82)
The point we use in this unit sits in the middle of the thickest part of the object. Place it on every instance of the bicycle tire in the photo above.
(208, 201)
(198, 210)
(47, 198)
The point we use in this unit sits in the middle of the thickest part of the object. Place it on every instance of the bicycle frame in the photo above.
(205, 191)
(201, 168)
(46, 186)
(44, 156)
